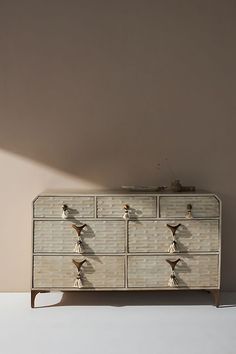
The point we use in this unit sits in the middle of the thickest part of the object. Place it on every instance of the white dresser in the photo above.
(126, 241)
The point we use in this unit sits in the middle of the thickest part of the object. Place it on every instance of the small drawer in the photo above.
(139, 206)
(190, 236)
(96, 237)
(192, 271)
(96, 272)
(177, 206)
(52, 207)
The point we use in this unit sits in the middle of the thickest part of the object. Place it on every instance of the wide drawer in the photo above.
(139, 206)
(192, 271)
(156, 236)
(97, 236)
(60, 272)
(78, 206)
(202, 206)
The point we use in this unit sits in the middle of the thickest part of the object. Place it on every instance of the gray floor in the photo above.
(115, 323)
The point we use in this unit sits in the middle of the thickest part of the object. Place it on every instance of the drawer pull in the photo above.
(78, 228)
(126, 215)
(79, 242)
(189, 214)
(173, 228)
(65, 211)
(174, 245)
(173, 281)
(173, 263)
(78, 283)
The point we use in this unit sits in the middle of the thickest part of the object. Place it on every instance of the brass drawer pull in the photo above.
(79, 243)
(65, 211)
(78, 283)
(78, 228)
(126, 215)
(173, 263)
(189, 214)
(174, 245)
(173, 281)
(173, 228)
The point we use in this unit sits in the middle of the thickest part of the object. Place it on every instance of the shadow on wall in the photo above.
(103, 91)
(106, 91)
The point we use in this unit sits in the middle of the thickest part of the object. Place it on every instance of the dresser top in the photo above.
(74, 192)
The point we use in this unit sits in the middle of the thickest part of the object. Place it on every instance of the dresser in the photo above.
(123, 241)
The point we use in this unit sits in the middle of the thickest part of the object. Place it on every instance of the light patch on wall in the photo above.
(21, 180)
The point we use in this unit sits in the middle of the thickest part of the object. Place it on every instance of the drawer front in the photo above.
(97, 237)
(191, 236)
(140, 206)
(196, 271)
(52, 207)
(97, 272)
(177, 206)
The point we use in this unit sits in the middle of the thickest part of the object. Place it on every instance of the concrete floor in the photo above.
(118, 323)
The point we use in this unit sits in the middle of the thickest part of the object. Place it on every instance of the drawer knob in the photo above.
(189, 214)
(79, 242)
(173, 281)
(126, 215)
(78, 283)
(174, 245)
(65, 211)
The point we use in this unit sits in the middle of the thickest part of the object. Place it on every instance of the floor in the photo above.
(112, 323)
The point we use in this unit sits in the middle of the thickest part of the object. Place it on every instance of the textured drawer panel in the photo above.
(191, 271)
(155, 236)
(177, 206)
(98, 272)
(140, 206)
(52, 206)
(98, 236)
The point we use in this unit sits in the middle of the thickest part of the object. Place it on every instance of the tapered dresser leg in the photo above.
(216, 296)
(33, 296)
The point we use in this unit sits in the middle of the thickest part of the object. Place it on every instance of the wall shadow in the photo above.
(80, 95)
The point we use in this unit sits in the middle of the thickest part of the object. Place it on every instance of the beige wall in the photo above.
(97, 93)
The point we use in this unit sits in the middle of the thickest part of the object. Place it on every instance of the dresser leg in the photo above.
(216, 296)
(33, 296)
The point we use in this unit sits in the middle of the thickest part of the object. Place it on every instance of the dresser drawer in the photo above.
(139, 206)
(176, 206)
(52, 207)
(192, 271)
(60, 272)
(191, 236)
(97, 236)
